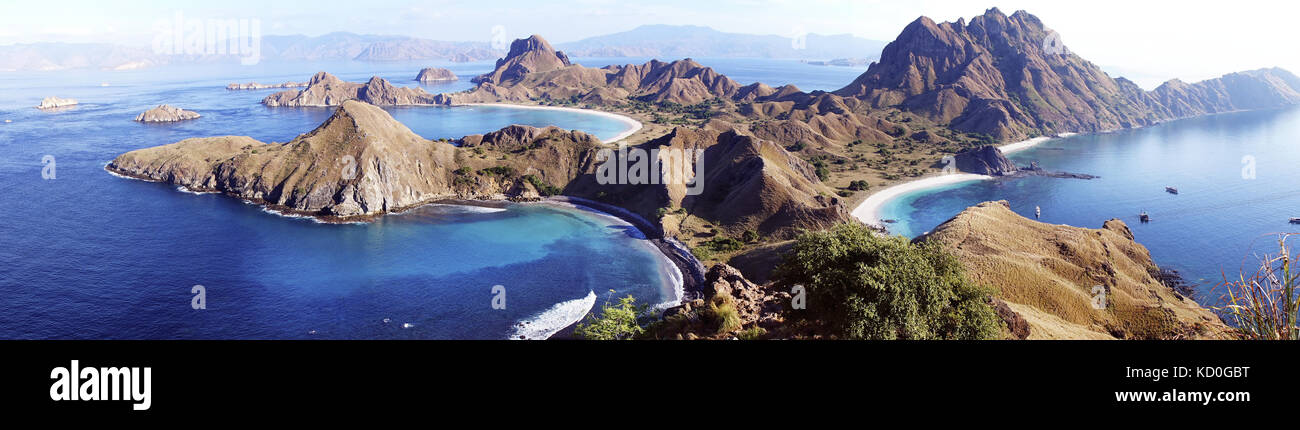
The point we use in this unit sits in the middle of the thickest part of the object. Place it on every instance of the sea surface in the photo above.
(1236, 175)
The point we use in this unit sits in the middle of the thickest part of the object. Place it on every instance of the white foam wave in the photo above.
(552, 320)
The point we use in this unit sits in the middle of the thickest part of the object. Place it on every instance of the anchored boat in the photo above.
(1144, 217)
(1171, 190)
(1295, 220)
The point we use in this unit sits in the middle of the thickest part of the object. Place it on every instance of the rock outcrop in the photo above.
(757, 309)
(531, 55)
(166, 113)
(1069, 282)
(985, 160)
(55, 103)
(325, 89)
(435, 74)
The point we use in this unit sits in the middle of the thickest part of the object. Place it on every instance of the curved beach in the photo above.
(869, 210)
(632, 124)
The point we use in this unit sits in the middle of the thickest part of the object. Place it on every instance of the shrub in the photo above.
(616, 322)
(1265, 305)
(864, 286)
(752, 333)
(750, 236)
(543, 188)
(725, 244)
(859, 186)
(725, 315)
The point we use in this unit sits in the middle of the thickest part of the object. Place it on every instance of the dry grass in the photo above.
(1264, 305)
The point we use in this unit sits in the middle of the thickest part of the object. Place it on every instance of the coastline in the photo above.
(632, 124)
(869, 210)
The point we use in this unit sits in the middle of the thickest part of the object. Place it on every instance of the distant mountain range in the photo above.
(668, 42)
(660, 41)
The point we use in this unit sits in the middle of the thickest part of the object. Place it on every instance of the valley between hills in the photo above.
(777, 162)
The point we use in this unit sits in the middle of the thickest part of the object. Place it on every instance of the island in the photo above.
(435, 74)
(166, 113)
(257, 86)
(55, 103)
(325, 89)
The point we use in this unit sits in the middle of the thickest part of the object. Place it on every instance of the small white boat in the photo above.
(1038, 212)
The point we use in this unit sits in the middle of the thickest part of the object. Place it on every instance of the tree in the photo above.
(616, 322)
(861, 285)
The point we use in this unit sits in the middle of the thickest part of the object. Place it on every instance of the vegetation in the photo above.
(722, 311)
(616, 322)
(1264, 306)
(859, 186)
(543, 188)
(864, 286)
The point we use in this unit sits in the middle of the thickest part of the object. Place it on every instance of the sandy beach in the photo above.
(869, 210)
(632, 124)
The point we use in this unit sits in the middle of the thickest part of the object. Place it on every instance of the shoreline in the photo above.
(632, 124)
(869, 210)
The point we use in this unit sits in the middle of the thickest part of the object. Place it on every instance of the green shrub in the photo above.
(616, 322)
(752, 333)
(725, 315)
(750, 236)
(861, 285)
(543, 188)
(725, 244)
(859, 186)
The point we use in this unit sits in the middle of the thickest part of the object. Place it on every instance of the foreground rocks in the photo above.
(730, 307)
(55, 103)
(1052, 275)
(166, 113)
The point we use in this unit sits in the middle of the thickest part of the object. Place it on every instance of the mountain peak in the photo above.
(530, 55)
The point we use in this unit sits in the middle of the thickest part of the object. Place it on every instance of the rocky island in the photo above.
(257, 86)
(325, 89)
(166, 113)
(55, 103)
(435, 74)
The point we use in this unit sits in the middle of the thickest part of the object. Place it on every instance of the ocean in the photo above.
(1236, 176)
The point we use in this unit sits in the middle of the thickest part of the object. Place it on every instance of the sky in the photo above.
(1147, 40)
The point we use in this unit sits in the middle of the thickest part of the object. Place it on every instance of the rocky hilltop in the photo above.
(985, 160)
(996, 75)
(55, 102)
(534, 70)
(325, 89)
(1049, 275)
(166, 113)
(435, 74)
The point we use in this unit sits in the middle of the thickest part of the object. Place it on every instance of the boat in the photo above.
(1038, 212)
(1144, 217)
(1171, 190)
(1295, 220)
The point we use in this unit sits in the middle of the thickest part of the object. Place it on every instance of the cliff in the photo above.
(985, 160)
(325, 89)
(1049, 274)
(166, 113)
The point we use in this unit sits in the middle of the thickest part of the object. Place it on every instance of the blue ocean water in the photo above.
(1223, 216)
(91, 255)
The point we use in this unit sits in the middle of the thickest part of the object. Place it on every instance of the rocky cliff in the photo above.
(985, 160)
(1053, 275)
(1005, 77)
(325, 89)
(166, 113)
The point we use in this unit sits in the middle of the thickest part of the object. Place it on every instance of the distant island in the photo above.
(55, 103)
(435, 74)
(325, 89)
(683, 41)
(166, 113)
(842, 62)
(257, 86)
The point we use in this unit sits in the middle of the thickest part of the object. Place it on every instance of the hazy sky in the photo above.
(1144, 39)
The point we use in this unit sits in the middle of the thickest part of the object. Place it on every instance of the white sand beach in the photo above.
(1030, 143)
(869, 210)
(632, 124)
